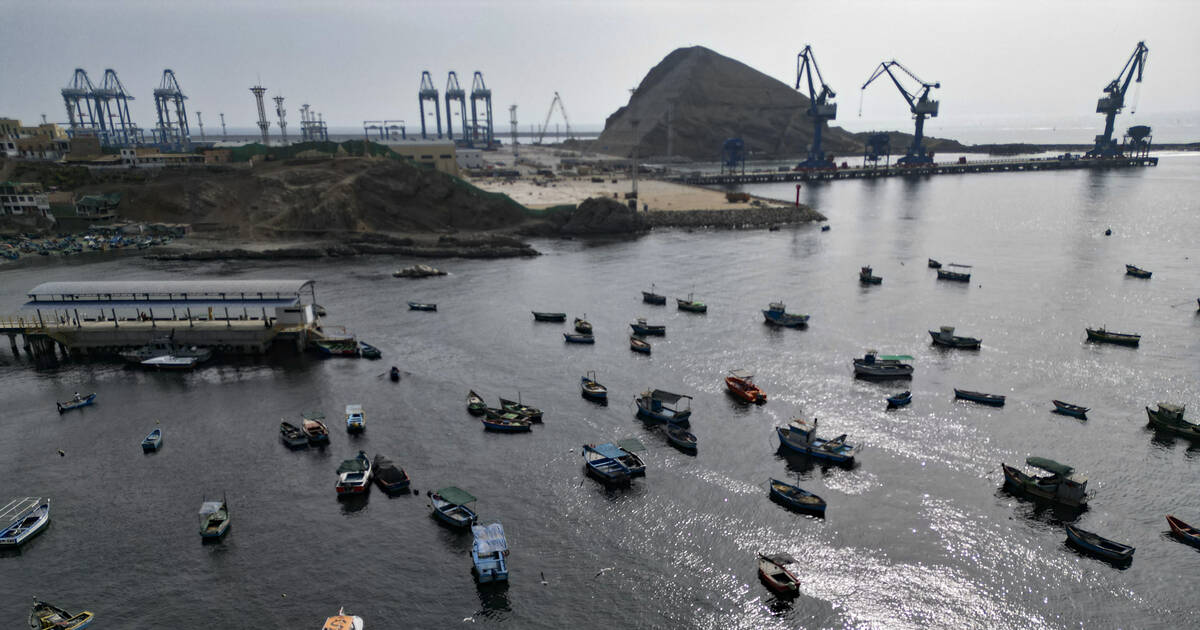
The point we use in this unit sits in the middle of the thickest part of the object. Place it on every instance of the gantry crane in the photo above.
(557, 101)
(1111, 104)
(454, 92)
(820, 110)
(920, 106)
(480, 92)
(429, 93)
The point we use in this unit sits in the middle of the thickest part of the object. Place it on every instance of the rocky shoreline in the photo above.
(762, 217)
(489, 246)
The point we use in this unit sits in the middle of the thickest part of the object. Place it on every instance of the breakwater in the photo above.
(732, 218)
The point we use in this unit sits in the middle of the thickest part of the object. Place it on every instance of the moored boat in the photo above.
(797, 498)
(394, 374)
(681, 438)
(773, 572)
(995, 400)
(356, 419)
(740, 384)
(342, 621)
(214, 518)
(956, 276)
(388, 476)
(640, 327)
(1067, 409)
(76, 402)
(663, 406)
(1098, 545)
(591, 389)
(1105, 336)
(899, 400)
(533, 414)
(604, 463)
(639, 345)
(933, 264)
(475, 404)
(488, 552)
(314, 428)
(292, 435)
(354, 475)
(337, 346)
(422, 306)
(152, 441)
(1183, 531)
(1169, 417)
(165, 346)
(867, 276)
(505, 422)
(583, 326)
(650, 297)
(800, 436)
(944, 336)
(578, 338)
(539, 316)
(451, 505)
(367, 351)
(1136, 272)
(776, 314)
(1062, 485)
(872, 365)
(47, 616)
(22, 519)
(171, 362)
(691, 305)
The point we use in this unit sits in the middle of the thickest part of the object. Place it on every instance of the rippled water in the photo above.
(919, 534)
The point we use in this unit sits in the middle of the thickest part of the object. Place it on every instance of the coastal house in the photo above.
(24, 199)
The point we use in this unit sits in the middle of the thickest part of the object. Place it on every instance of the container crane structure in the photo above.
(1114, 100)
(429, 93)
(168, 97)
(920, 105)
(480, 92)
(454, 92)
(546, 125)
(820, 109)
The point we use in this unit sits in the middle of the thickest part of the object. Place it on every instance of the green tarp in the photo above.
(456, 495)
(1049, 465)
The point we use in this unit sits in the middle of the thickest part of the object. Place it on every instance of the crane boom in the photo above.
(546, 125)
(1114, 100)
(820, 109)
(920, 105)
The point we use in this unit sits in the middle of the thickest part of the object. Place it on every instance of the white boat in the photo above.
(172, 362)
(343, 622)
(354, 475)
(23, 519)
(874, 365)
(164, 347)
(488, 552)
(356, 420)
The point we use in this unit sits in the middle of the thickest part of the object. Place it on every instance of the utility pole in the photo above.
(512, 120)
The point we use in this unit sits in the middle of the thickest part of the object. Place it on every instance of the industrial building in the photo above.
(440, 155)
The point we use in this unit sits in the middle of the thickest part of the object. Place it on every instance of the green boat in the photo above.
(475, 404)
(1062, 485)
(1169, 418)
(691, 305)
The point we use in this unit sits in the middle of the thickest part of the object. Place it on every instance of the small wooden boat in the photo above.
(152, 441)
(899, 400)
(367, 351)
(777, 314)
(1183, 531)
(421, 306)
(342, 621)
(46, 616)
(1169, 417)
(488, 553)
(956, 276)
(451, 505)
(506, 423)
(314, 428)
(76, 402)
(1136, 272)
(292, 435)
(22, 519)
(663, 406)
(591, 389)
(800, 436)
(690, 305)
(797, 498)
(640, 327)
(583, 326)
(650, 297)
(824, 228)
(214, 518)
(337, 346)
(549, 317)
(740, 384)
(1067, 409)
(1098, 545)
(603, 462)
(933, 264)
(354, 475)
(394, 374)
(944, 336)
(1062, 485)
(533, 414)
(388, 476)
(578, 338)
(882, 367)
(995, 400)
(356, 419)
(1104, 336)
(867, 276)
(639, 345)
(681, 438)
(772, 570)
(475, 404)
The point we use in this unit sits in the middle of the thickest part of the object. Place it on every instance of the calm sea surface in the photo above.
(918, 535)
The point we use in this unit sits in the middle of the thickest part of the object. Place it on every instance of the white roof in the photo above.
(135, 288)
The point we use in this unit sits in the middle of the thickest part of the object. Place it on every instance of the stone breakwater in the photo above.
(732, 219)
(444, 247)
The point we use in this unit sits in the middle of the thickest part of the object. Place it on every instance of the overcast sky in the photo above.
(363, 60)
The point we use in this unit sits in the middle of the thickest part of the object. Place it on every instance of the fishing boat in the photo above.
(740, 384)
(1104, 336)
(825, 228)
(292, 435)
(591, 389)
(995, 400)
(800, 436)
(388, 476)
(342, 621)
(46, 616)
(549, 317)
(1067, 409)
(314, 428)
(681, 438)
(22, 519)
(171, 362)
(394, 374)
(1098, 545)
(354, 475)
(451, 505)
(505, 422)
(899, 400)
(933, 264)
(639, 345)
(578, 338)
(1169, 417)
(583, 326)
(624, 451)
(152, 441)
(650, 297)
(797, 498)
(475, 404)
(214, 518)
(76, 402)
(1136, 272)
(533, 414)
(691, 305)
(867, 276)
(956, 276)
(421, 306)
(1062, 485)
(663, 406)
(367, 351)
(872, 365)
(944, 336)
(488, 553)
(1183, 531)
(776, 314)
(356, 420)
(640, 327)
(337, 346)
(604, 463)
(164, 346)
(772, 570)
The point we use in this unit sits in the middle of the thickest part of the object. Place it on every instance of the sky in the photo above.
(362, 60)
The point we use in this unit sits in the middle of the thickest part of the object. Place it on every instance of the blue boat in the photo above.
(367, 351)
(640, 327)
(624, 451)
(650, 297)
(801, 437)
(777, 315)
(450, 506)
(153, 441)
(681, 438)
(1099, 546)
(995, 400)
(421, 306)
(899, 400)
(797, 498)
(22, 519)
(639, 345)
(488, 552)
(505, 422)
(604, 463)
(578, 338)
(76, 402)
(591, 389)
(662, 406)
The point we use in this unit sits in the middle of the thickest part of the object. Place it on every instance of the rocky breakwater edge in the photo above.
(445, 246)
(601, 216)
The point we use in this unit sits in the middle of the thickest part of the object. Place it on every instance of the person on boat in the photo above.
(77, 398)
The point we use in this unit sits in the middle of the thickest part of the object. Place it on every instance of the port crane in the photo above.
(429, 93)
(481, 92)
(820, 110)
(454, 92)
(920, 105)
(1114, 100)
(557, 101)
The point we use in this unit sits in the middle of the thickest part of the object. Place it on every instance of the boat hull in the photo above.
(639, 346)
(807, 502)
(1183, 531)
(1120, 339)
(1067, 409)
(76, 404)
(992, 400)
(815, 449)
(1099, 546)
(777, 579)
(46, 615)
(744, 390)
(506, 426)
(607, 471)
(787, 320)
(1181, 427)
(881, 372)
(962, 343)
(682, 418)
(578, 338)
(647, 330)
(456, 516)
(953, 276)
(1018, 481)
(152, 442)
(27, 526)
(653, 298)
(900, 400)
(592, 390)
(681, 439)
(549, 317)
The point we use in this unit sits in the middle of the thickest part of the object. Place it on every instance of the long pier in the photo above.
(949, 168)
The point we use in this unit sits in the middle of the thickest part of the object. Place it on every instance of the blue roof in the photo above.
(609, 449)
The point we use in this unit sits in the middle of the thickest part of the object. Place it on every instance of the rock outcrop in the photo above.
(601, 215)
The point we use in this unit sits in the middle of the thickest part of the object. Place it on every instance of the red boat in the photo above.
(774, 574)
(1185, 532)
(740, 385)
